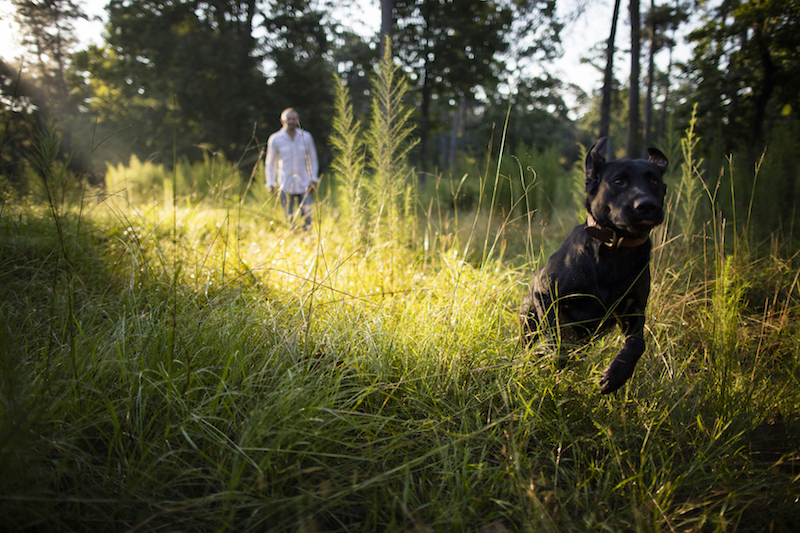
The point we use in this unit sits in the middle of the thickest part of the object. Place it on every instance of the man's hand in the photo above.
(312, 187)
(272, 189)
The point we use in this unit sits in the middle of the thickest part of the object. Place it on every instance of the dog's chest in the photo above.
(598, 272)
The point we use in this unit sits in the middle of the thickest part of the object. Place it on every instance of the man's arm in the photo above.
(270, 165)
(312, 158)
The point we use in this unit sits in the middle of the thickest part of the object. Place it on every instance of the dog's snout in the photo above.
(646, 207)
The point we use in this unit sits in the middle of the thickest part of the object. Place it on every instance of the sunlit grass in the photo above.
(222, 370)
(195, 362)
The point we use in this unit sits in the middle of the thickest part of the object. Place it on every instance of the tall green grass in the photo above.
(198, 365)
(212, 180)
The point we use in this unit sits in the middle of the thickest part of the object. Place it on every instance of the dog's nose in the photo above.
(646, 207)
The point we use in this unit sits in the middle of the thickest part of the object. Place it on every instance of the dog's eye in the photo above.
(655, 182)
(620, 181)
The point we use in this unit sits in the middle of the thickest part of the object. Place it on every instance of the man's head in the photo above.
(290, 119)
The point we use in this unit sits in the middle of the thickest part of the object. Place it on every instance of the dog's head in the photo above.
(626, 195)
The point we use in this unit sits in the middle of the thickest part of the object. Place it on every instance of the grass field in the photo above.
(204, 367)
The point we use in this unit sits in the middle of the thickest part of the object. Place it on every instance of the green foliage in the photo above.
(776, 189)
(348, 164)
(530, 181)
(691, 179)
(460, 53)
(194, 364)
(547, 184)
(538, 116)
(578, 187)
(49, 31)
(199, 388)
(590, 121)
(389, 140)
(168, 70)
(213, 179)
(176, 76)
(379, 205)
(744, 71)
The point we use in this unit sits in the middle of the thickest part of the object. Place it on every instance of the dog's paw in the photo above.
(615, 376)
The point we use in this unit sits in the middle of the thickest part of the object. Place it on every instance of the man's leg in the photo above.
(305, 207)
(287, 203)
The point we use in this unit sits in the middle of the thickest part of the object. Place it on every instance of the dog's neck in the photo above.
(609, 237)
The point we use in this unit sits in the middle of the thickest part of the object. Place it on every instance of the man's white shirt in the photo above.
(288, 161)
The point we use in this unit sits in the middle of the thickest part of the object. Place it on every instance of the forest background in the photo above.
(178, 81)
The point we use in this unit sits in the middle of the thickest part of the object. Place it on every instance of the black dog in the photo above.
(600, 275)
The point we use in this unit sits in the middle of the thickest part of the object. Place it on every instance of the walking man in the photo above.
(292, 166)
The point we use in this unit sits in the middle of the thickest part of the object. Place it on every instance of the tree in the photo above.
(183, 74)
(458, 51)
(608, 81)
(746, 69)
(21, 103)
(633, 144)
(178, 75)
(659, 19)
(50, 34)
(298, 48)
(452, 47)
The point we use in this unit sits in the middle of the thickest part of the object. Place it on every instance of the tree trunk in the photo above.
(608, 82)
(662, 124)
(424, 112)
(633, 145)
(426, 92)
(763, 94)
(648, 101)
(451, 151)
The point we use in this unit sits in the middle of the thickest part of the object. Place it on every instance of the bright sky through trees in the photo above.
(581, 34)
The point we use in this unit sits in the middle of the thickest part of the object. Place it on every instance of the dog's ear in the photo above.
(594, 164)
(660, 160)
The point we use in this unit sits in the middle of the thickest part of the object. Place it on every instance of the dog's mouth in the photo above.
(647, 223)
(639, 228)
(643, 222)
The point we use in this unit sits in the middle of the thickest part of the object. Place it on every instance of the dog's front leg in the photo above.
(631, 319)
(621, 368)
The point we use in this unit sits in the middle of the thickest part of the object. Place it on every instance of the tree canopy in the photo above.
(179, 77)
(745, 70)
